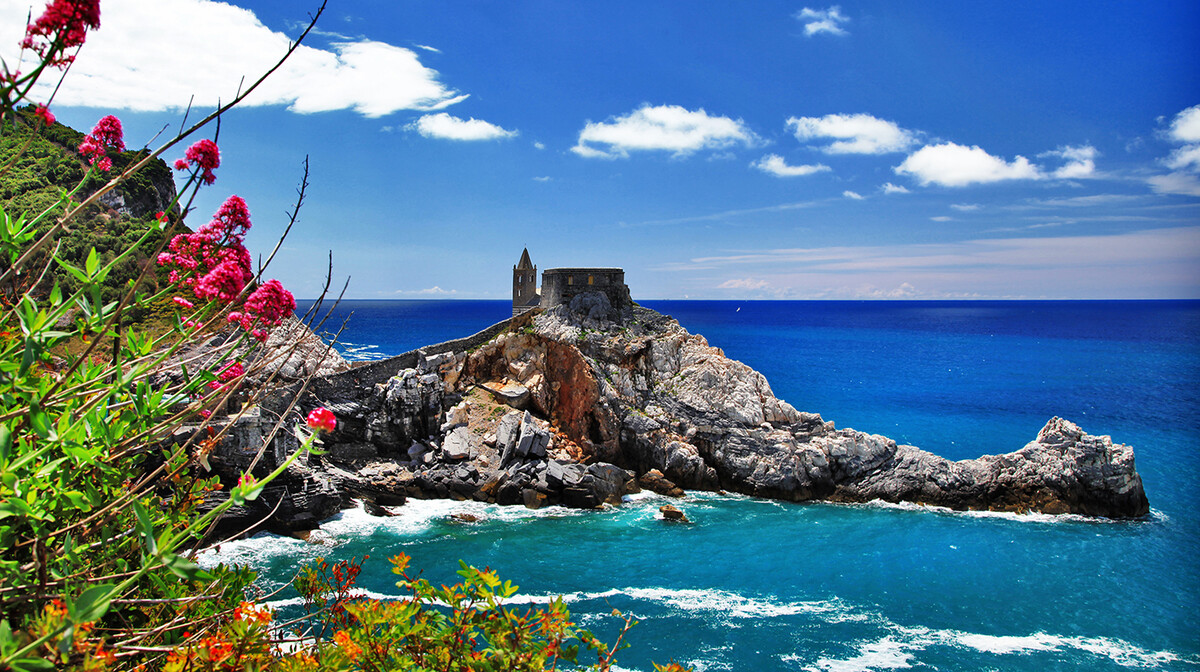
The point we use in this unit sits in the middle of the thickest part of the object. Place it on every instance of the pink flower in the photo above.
(183, 302)
(205, 156)
(44, 114)
(260, 335)
(322, 418)
(271, 303)
(231, 222)
(205, 413)
(225, 282)
(232, 371)
(106, 135)
(62, 26)
(180, 164)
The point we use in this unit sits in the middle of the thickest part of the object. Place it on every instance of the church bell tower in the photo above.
(525, 295)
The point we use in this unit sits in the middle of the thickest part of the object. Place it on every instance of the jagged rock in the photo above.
(510, 393)
(457, 445)
(462, 517)
(654, 481)
(636, 391)
(371, 508)
(671, 513)
(532, 498)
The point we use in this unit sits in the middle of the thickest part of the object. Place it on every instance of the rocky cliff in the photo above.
(580, 404)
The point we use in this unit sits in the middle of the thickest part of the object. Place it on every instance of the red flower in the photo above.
(44, 114)
(204, 155)
(183, 302)
(106, 135)
(322, 418)
(62, 26)
(271, 303)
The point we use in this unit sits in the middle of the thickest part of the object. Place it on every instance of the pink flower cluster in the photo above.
(205, 155)
(62, 26)
(232, 371)
(106, 135)
(215, 263)
(44, 113)
(322, 418)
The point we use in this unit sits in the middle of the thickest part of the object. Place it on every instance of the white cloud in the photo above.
(952, 165)
(1184, 184)
(852, 195)
(665, 128)
(744, 283)
(154, 56)
(889, 188)
(1185, 161)
(941, 218)
(538, 145)
(774, 164)
(542, 179)
(853, 133)
(965, 207)
(1080, 161)
(822, 20)
(1186, 125)
(426, 47)
(447, 127)
(1185, 157)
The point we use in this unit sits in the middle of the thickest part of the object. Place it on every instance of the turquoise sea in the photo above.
(763, 585)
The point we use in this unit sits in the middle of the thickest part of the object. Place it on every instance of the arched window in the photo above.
(590, 280)
(570, 279)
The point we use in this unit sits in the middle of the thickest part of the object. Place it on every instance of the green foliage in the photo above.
(40, 166)
(102, 465)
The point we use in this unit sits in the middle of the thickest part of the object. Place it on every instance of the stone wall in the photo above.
(369, 374)
(560, 285)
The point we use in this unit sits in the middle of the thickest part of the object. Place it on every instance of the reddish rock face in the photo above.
(561, 383)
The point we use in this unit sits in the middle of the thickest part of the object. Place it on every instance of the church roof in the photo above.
(525, 264)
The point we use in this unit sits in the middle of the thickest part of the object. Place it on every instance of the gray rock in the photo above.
(457, 445)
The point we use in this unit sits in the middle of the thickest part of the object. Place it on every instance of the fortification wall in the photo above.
(373, 373)
(560, 285)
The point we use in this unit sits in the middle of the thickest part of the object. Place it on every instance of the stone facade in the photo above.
(525, 294)
(560, 285)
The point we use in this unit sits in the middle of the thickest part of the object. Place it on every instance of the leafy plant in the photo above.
(103, 461)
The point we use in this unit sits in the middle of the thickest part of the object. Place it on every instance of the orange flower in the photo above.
(342, 639)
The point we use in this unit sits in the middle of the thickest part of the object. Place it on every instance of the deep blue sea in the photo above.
(762, 585)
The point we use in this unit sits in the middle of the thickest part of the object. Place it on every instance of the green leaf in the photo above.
(186, 569)
(78, 274)
(30, 665)
(92, 263)
(39, 421)
(6, 440)
(92, 604)
(145, 527)
(27, 358)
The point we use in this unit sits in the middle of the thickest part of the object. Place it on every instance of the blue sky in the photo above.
(714, 150)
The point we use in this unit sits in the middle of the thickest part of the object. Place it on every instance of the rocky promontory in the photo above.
(582, 403)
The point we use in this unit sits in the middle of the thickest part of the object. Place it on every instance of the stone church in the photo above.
(560, 285)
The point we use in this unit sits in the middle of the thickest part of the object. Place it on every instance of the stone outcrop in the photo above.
(606, 401)
(643, 393)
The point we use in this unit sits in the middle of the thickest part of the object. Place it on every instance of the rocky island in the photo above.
(580, 402)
